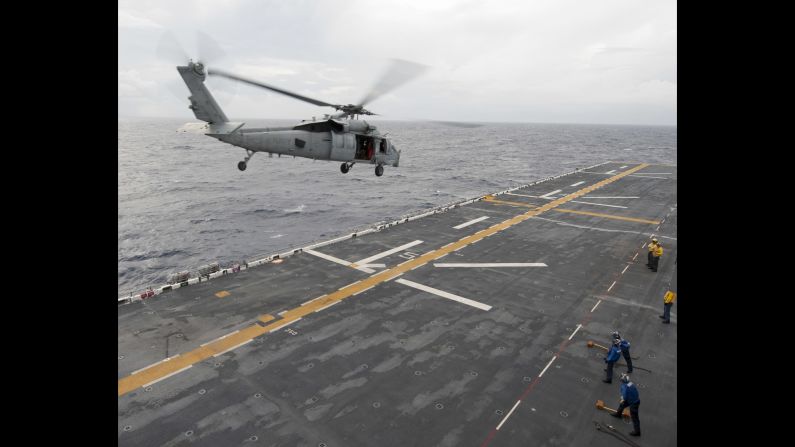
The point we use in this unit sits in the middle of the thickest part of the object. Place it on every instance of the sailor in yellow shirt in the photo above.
(652, 246)
(655, 256)
(668, 301)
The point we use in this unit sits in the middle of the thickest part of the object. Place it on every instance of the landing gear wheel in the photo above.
(345, 168)
(379, 170)
(241, 166)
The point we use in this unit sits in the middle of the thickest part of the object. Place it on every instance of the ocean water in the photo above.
(183, 203)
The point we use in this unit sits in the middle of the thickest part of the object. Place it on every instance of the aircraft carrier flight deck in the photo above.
(467, 327)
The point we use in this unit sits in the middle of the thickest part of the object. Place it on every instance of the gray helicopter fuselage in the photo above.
(322, 143)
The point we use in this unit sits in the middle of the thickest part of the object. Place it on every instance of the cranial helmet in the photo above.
(625, 378)
(616, 334)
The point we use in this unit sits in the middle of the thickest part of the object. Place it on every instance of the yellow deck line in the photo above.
(156, 371)
(609, 216)
(506, 202)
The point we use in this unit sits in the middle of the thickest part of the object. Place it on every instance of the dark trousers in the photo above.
(628, 358)
(648, 262)
(633, 412)
(667, 311)
(655, 261)
(610, 371)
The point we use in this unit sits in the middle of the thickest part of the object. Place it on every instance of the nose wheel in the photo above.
(379, 171)
(242, 165)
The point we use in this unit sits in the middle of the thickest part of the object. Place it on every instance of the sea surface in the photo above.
(183, 202)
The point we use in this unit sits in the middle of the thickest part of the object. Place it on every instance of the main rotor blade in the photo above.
(208, 49)
(400, 72)
(224, 74)
(169, 49)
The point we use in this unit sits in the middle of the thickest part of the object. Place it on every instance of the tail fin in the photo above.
(201, 101)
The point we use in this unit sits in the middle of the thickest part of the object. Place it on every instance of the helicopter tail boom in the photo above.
(201, 101)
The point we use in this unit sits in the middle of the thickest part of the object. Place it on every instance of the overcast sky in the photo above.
(555, 61)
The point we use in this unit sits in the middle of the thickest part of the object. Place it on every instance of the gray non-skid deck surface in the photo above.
(397, 366)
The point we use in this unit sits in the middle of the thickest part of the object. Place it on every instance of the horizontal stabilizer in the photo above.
(211, 129)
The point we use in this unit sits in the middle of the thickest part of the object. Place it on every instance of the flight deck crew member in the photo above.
(652, 246)
(655, 257)
(612, 356)
(668, 301)
(629, 398)
(624, 346)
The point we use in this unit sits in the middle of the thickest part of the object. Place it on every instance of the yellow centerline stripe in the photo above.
(156, 371)
(609, 216)
(492, 199)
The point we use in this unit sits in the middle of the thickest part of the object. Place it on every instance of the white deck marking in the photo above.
(444, 294)
(234, 347)
(379, 266)
(165, 377)
(509, 413)
(494, 264)
(350, 285)
(575, 331)
(611, 172)
(548, 364)
(157, 363)
(600, 204)
(279, 327)
(313, 299)
(569, 224)
(648, 176)
(622, 167)
(213, 341)
(579, 183)
(594, 307)
(611, 286)
(625, 269)
(362, 291)
(473, 221)
(636, 255)
(387, 253)
(611, 197)
(327, 306)
(327, 257)
(550, 193)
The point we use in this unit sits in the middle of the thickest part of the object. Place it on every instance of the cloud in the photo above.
(129, 20)
(490, 60)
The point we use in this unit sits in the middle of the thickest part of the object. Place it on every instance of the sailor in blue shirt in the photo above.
(612, 356)
(629, 398)
(624, 346)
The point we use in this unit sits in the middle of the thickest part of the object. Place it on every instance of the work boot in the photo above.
(661, 316)
(615, 414)
(607, 381)
(666, 322)
(634, 433)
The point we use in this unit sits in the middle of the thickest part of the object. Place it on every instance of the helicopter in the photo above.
(338, 137)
